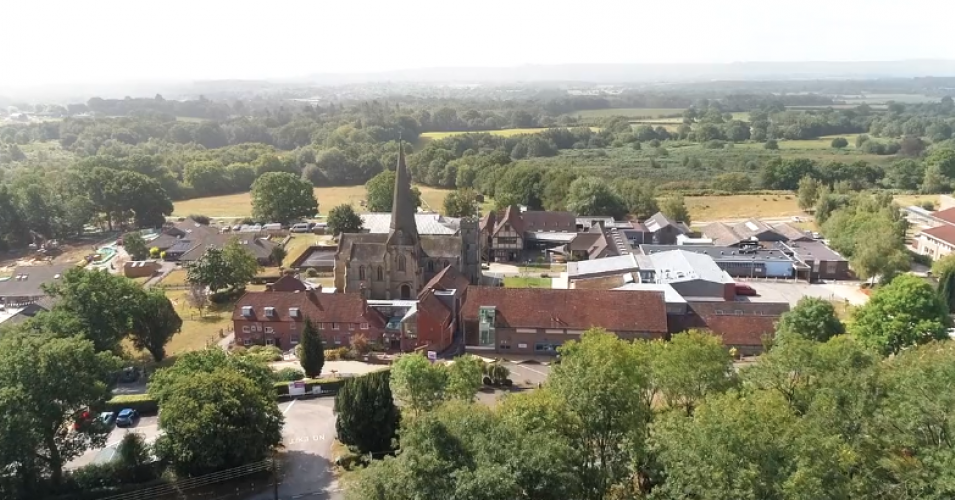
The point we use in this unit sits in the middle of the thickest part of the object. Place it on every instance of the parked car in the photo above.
(745, 290)
(127, 418)
(107, 418)
(301, 227)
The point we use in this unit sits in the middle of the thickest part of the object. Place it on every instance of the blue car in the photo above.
(127, 418)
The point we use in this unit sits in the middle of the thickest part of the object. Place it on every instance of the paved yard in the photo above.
(791, 292)
(146, 426)
(341, 368)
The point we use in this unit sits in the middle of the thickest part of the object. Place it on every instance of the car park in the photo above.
(107, 418)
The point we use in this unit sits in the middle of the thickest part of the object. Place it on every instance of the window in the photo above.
(364, 326)
(351, 326)
(719, 312)
(338, 341)
(381, 274)
(269, 341)
(445, 264)
(507, 241)
(334, 326)
(246, 341)
(504, 346)
(361, 272)
(321, 326)
(546, 346)
(269, 329)
(738, 312)
(401, 263)
(245, 329)
(294, 340)
(430, 265)
(292, 327)
(832, 267)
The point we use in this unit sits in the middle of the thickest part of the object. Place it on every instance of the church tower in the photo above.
(403, 246)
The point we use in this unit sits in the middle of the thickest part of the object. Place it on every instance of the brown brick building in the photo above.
(537, 321)
(277, 316)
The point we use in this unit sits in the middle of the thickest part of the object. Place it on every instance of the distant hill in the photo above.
(624, 73)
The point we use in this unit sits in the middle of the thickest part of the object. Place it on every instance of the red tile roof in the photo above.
(615, 310)
(947, 215)
(944, 232)
(288, 283)
(511, 216)
(741, 330)
(317, 306)
(447, 279)
(431, 306)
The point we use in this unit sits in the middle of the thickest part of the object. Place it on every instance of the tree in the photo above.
(93, 304)
(136, 246)
(206, 422)
(417, 383)
(380, 192)
(674, 207)
(155, 321)
(638, 197)
(277, 255)
(464, 377)
(933, 181)
(367, 417)
(732, 182)
(133, 457)
(53, 380)
(461, 203)
(197, 297)
(233, 266)
(839, 143)
(602, 382)
(812, 318)
(343, 219)
(904, 313)
(808, 192)
(692, 366)
(164, 383)
(282, 197)
(771, 145)
(877, 256)
(593, 196)
(311, 353)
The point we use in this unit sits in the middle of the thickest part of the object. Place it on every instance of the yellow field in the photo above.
(628, 112)
(507, 132)
(778, 205)
(240, 205)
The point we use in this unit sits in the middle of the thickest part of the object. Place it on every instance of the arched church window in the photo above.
(361, 272)
(401, 263)
(430, 266)
(381, 274)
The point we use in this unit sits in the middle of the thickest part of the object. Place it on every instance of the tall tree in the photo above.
(197, 364)
(461, 203)
(813, 318)
(367, 417)
(692, 366)
(155, 321)
(946, 289)
(344, 219)
(311, 351)
(135, 246)
(206, 423)
(417, 383)
(93, 304)
(808, 192)
(674, 207)
(904, 313)
(53, 380)
(241, 263)
(639, 197)
(282, 197)
(593, 196)
(211, 270)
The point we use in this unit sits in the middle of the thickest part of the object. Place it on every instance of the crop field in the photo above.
(628, 112)
(780, 204)
(240, 205)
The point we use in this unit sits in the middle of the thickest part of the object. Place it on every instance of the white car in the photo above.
(797, 219)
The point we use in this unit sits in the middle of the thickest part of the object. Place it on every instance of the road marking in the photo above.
(530, 369)
(289, 407)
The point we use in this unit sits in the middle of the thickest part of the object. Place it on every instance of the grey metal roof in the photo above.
(27, 281)
(319, 257)
(670, 295)
(814, 250)
(675, 266)
(721, 254)
(434, 245)
(621, 263)
(428, 223)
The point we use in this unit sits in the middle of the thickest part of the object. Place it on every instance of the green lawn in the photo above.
(530, 282)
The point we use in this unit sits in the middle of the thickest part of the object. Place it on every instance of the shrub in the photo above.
(143, 403)
(771, 144)
(201, 219)
(839, 142)
(360, 345)
(311, 273)
(337, 354)
(265, 353)
(289, 374)
(96, 476)
(154, 252)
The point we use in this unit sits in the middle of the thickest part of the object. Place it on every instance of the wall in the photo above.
(284, 332)
(432, 332)
(512, 339)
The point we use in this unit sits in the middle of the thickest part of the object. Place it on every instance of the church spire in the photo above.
(404, 230)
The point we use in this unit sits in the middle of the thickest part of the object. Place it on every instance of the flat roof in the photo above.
(620, 263)
(722, 253)
(675, 266)
(670, 295)
(814, 250)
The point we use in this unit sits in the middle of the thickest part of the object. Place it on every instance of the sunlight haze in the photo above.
(60, 42)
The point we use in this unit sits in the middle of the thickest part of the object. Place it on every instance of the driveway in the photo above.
(147, 426)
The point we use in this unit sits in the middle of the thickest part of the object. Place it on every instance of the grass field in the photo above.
(530, 282)
(240, 205)
(778, 205)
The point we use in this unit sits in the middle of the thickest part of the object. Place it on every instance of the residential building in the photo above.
(538, 321)
(664, 230)
(15, 315)
(25, 285)
(188, 240)
(936, 242)
(397, 264)
(275, 317)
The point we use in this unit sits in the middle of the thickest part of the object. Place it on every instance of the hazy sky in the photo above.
(65, 41)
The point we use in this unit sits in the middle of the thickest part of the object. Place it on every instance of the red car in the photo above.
(745, 290)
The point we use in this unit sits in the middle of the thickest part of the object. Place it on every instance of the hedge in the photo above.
(146, 405)
(143, 403)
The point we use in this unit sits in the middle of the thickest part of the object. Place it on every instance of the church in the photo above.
(396, 264)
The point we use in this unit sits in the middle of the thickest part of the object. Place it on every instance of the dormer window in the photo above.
(294, 312)
(270, 312)
(247, 311)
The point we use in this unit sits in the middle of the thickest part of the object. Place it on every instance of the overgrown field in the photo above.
(240, 205)
(629, 112)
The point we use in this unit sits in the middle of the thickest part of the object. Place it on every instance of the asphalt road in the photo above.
(147, 426)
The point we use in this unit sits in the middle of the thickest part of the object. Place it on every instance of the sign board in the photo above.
(522, 346)
(317, 390)
(296, 388)
(432, 356)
